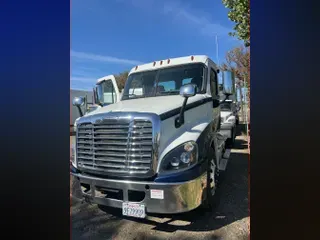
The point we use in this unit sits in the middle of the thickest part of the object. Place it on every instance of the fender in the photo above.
(206, 140)
(203, 134)
(187, 134)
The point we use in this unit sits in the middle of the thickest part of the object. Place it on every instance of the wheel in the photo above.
(212, 183)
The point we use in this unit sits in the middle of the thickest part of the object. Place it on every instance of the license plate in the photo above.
(133, 210)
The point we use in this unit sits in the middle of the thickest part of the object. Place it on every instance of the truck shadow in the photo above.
(231, 201)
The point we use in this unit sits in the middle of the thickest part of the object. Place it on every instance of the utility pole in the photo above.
(246, 100)
(241, 98)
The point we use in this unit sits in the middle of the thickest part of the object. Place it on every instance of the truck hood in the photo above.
(157, 105)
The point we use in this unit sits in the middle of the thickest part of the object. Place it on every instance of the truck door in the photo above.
(107, 91)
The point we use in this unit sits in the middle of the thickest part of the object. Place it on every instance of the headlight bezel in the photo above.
(167, 168)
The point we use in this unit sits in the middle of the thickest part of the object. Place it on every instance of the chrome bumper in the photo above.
(226, 129)
(177, 197)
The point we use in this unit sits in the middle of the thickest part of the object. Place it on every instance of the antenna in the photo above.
(217, 50)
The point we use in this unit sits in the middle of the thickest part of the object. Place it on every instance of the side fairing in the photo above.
(199, 125)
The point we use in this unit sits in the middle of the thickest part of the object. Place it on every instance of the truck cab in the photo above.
(106, 90)
(229, 115)
(158, 147)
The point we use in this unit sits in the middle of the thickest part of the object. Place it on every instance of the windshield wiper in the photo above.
(130, 94)
(133, 96)
(168, 93)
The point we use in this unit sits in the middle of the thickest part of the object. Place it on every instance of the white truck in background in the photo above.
(228, 121)
(158, 148)
(108, 92)
(229, 111)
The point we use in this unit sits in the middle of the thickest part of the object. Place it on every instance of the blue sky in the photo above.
(111, 36)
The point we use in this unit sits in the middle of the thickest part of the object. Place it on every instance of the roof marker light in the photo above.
(136, 67)
(168, 61)
(192, 57)
(154, 63)
(161, 62)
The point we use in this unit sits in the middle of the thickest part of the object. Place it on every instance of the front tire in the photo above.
(212, 183)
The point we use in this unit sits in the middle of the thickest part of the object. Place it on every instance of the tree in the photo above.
(238, 61)
(240, 14)
(121, 79)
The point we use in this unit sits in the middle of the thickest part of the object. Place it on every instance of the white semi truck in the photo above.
(229, 111)
(156, 149)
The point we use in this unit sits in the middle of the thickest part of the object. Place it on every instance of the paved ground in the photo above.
(229, 220)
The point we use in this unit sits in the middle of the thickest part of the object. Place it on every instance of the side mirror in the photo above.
(78, 102)
(228, 80)
(186, 91)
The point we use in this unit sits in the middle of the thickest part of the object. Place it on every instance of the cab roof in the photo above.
(170, 62)
(109, 77)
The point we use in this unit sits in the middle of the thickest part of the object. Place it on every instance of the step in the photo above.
(227, 153)
(223, 164)
(224, 161)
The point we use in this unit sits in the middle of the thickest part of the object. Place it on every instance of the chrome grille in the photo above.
(116, 146)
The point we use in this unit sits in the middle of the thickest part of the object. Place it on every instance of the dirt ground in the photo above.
(228, 220)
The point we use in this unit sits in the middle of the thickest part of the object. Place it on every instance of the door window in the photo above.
(213, 83)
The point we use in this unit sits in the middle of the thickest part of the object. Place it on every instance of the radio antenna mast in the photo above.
(217, 50)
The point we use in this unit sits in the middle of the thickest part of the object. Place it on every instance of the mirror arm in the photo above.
(180, 120)
(80, 111)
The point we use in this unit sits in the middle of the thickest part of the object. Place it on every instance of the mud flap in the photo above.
(224, 160)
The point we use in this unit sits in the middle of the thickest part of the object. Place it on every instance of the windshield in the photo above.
(225, 106)
(162, 82)
(106, 93)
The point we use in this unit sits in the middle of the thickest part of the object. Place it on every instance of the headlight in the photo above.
(183, 156)
(73, 154)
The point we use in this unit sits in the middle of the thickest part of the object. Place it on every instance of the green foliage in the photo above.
(121, 79)
(240, 14)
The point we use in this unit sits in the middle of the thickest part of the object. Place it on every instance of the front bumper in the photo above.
(226, 129)
(177, 197)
